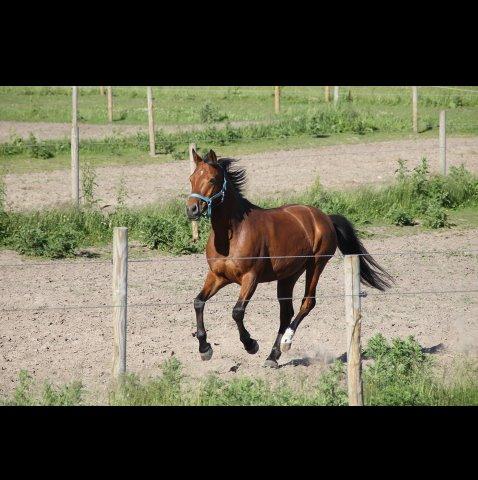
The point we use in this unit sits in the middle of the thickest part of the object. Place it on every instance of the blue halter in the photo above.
(209, 200)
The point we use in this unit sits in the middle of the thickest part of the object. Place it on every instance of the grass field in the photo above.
(186, 105)
(322, 126)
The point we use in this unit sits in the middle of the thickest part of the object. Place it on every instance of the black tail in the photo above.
(371, 273)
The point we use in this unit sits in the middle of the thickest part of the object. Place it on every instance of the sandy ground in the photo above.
(69, 344)
(53, 131)
(269, 174)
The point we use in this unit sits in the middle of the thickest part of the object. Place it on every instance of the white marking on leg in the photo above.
(286, 340)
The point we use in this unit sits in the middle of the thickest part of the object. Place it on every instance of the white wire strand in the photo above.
(252, 300)
(271, 257)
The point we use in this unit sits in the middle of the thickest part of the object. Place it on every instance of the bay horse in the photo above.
(243, 239)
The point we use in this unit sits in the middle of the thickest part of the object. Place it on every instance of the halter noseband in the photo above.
(209, 200)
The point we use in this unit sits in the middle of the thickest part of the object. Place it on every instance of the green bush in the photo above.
(402, 374)
(400, 217)
(164, 142)
(39, 241)
(39, 149)
(435, 215)
(168, 231)
(210, 114)
(330, 386)
(415, 194)
(340, 119)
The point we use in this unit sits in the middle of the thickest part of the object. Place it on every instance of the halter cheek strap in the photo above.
(209, 200)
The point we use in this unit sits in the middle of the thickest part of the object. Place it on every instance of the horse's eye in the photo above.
(213, 181)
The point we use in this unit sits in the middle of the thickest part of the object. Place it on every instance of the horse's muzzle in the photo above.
(193, 211)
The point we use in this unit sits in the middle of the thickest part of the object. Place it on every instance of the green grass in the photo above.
(186, 105)
(399, 374)
(320, 126)
(416, 197)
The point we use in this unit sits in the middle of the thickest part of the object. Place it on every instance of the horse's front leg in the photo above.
(248, 287)
(211, 286)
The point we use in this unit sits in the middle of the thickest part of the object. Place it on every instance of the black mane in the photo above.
(236, 183)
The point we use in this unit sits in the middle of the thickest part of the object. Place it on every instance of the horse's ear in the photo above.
(211, 157)
(196, 157)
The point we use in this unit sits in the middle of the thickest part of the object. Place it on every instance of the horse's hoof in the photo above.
(269, 363)
(206, 355)
(286, 340)
(285, 347)
(254, 349)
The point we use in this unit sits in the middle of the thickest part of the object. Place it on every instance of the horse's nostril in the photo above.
(193, 209)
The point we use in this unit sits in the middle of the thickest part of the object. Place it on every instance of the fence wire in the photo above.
(221, 301)
(188, 258)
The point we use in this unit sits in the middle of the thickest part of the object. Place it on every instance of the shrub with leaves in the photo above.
(330, 387)
(339, 120)
(209, 113)
(169, 232)
(400, 217)
(164, 143)
(39, 149)
(398, 372)
(35, 240)
(435, 215)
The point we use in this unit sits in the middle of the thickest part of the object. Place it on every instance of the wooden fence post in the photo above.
(192, 167)
(75, 149)
(120, 299)
(152, 143)
(110, 104)
(336, 95)
(102, 91)
(442, 142)
(415, 109)
(327, 94)
(353, 317)
(277, 99)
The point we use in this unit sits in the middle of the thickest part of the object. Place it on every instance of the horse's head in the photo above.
(208, 185)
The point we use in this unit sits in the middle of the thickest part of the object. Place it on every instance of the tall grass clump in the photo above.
(341, 119)
(209, 113)
(164, 390)
(2, 194)
(416, 194)
(88, 184)
(25, 393)
(402, 374)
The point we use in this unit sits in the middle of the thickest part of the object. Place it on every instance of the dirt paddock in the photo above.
(63, 345)
(270, 174)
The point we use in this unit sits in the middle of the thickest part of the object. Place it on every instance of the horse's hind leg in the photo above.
(285, 289)
(248, 287)
(211, 286)
(308, 302)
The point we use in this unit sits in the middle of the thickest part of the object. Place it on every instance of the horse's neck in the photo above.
(224, 225)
